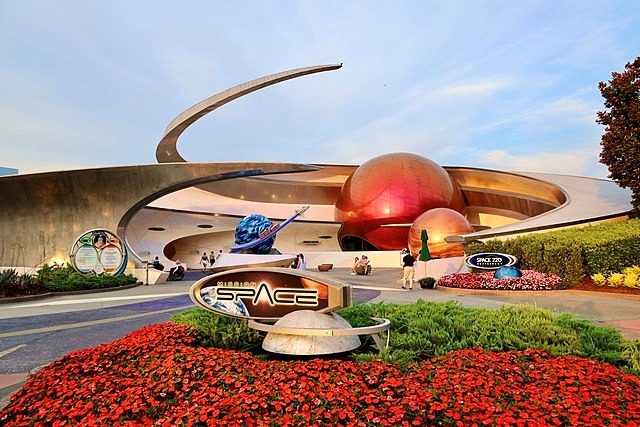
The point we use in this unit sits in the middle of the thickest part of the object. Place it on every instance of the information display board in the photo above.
(98, 251)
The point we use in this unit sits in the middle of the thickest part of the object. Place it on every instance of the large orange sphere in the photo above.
(439, 223)
(384, 195)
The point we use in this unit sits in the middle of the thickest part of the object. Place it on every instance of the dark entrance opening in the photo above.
(356, 244)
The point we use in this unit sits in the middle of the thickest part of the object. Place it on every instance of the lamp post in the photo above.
(146, 268)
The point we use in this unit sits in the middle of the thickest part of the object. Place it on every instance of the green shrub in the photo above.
(427, 282)
(215, 330)
(426, 329)
(57, 278)
(572, 253)
(602, 343)
(631, 355)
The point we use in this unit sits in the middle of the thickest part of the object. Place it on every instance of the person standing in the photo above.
(204, 261)
(302, 264)
(403, 252)
(407, 273)
(212, 259)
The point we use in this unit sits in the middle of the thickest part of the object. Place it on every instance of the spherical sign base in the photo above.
(305, 345)
(507, 272)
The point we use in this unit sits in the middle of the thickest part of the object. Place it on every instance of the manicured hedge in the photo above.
(65, 278)
(572, 253)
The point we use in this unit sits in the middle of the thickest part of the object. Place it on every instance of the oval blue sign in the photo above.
(490, 260)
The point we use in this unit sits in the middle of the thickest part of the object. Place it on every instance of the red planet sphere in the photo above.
(384, 195)
(439, 223)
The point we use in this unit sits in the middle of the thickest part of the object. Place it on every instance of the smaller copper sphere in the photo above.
(439, 223)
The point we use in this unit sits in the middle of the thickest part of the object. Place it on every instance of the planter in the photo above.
(325, 267)
(427, 283)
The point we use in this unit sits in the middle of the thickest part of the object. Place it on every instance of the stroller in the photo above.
(176, 273)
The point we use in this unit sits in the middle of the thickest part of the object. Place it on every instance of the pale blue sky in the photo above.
(509, 85)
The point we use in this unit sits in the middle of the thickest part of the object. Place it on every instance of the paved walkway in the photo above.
(161, 301)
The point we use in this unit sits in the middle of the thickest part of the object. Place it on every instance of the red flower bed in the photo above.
(530, 281)
(157, 376)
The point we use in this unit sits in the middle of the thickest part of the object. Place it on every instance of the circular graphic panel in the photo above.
(98, 252)
(86, 258)
(111, 258)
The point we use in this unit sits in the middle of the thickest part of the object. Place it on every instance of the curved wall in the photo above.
(42, 214)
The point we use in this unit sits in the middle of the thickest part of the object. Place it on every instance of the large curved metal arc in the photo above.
(167, 150)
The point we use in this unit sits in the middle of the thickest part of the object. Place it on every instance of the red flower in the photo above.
(530, 281)
(157, 376)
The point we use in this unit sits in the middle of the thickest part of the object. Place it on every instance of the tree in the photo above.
(621, 139)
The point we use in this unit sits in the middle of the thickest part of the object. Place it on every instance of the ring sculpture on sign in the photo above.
(374, 331)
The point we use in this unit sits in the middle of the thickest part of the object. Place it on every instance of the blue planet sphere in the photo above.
(250, 228)
(507, 272)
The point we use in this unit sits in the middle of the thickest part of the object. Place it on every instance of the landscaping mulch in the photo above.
(589, 286)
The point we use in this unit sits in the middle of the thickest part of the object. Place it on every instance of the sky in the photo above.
(508, 85)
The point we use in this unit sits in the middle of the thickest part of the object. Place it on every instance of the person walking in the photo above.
(204, 261)
(212, 259)
(408, 272)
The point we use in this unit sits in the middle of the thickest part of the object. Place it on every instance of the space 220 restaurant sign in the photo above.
(490, 260)
(269, 293)
(98, 251)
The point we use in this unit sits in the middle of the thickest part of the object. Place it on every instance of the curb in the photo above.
(463, 291)
(10, 300)
(6, 392)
